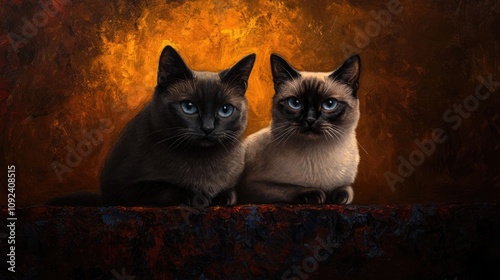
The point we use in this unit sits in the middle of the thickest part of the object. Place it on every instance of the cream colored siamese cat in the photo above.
(309, 154)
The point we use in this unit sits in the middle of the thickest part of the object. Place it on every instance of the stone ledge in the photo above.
(439, 241)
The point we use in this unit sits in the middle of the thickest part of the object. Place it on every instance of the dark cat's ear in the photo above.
(238, 74)
(348, 73)
(282, 71)
(172, 68)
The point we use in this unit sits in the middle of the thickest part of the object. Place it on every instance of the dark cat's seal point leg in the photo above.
(310, 196)
(225, 198)
(341, 196)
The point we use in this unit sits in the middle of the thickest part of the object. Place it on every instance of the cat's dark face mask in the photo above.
(309, 105)
(200, 109)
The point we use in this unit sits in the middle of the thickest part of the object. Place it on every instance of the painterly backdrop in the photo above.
(74, 72)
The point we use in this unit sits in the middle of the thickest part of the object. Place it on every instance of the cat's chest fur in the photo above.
(210, 173)
(321, 164)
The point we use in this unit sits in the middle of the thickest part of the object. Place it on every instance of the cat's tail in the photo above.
(78, 199)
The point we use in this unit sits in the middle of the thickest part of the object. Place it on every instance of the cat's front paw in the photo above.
(198, 200)
(341, 195)
(310, 196)
(225, 198)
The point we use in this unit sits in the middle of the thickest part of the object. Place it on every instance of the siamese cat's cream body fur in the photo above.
(321, 165)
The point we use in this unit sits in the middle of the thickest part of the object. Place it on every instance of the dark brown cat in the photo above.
(183, 147)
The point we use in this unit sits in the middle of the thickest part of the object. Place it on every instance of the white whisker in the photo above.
(362, 147)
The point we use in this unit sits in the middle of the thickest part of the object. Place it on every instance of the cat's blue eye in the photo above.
(294, 103)
(329, 104)
(188, 107)
(226, 110)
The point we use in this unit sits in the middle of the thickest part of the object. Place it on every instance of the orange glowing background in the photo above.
(96, 63)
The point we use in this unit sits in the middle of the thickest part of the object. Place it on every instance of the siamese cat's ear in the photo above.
(172, 68)
(282, 71)
(348, 73)
(238, 74)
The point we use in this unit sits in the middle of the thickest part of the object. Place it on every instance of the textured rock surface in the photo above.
(258, 242)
